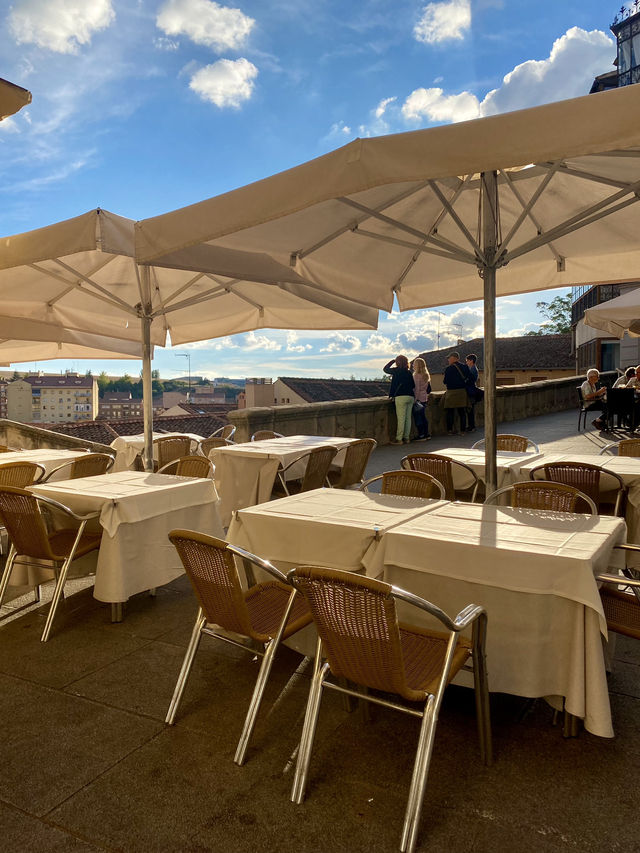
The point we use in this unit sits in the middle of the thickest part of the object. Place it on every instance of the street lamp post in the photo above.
(186, 355)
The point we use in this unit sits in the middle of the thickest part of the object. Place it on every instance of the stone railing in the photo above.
(27, 437)
(375, 417)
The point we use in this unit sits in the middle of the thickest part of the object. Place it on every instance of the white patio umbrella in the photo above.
(617, 316)
(81, 275)
(544, 197)
(44, 341)
(12, 98)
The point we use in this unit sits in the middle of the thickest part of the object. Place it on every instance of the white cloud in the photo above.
(443, 21)
(59, 25)
(293, 345)
(436, 106)
(163, 43)
(226, 83)
(518, 333)
(260, 342)
(379, 123)
(205, 22)
(338, 131)
(339, 342)
(382, 106)
(575, 59)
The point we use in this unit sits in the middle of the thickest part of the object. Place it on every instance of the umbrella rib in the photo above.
(452, 212)
(371, 213)
(74, 286)
(196, 278)
(302, 253)
(530, 213)
(462, 256)
(587, 217)
(588, 176)
(528, 207)
(70, 285)
(108, 297)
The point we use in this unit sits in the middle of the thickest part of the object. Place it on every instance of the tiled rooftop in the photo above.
(529, 352)
(325, 390)
(87, 764)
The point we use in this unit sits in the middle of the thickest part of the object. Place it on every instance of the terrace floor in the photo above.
(87, 764)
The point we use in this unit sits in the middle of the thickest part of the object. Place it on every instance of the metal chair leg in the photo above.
(4, 581)
(187, 663)
(419, 777)
(55, 599)
(308, 734)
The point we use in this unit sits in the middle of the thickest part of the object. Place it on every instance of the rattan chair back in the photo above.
(629, 447)
(515, 443)
(21, 474)
(315, 473)
(170, 448)
(584, 477)
(439, 467)
(91, 465)
(189, 466)
(265, 434)
(211, 443)
(227, 431)
(357, 622)
(212, 571)
(20, 514)
(622, 611)
(541, 494)
(355, 463)
(411, 484)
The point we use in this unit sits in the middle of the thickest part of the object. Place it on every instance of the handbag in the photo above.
(417, 407)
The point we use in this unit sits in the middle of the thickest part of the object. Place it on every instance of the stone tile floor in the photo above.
(87, 764)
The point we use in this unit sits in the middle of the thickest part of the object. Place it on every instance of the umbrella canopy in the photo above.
(42, 341)
(81, 275)
(617, 316)
(12, 98)
(544, 196)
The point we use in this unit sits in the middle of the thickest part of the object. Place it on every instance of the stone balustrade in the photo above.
(28, 437)
(374, 417)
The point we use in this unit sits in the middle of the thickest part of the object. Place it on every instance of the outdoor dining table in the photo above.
(137, 511)
(245, 473)
(127, 447)
(49, 458)
(533, 571)
(509, 464)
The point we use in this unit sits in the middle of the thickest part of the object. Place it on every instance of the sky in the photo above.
(143, 106)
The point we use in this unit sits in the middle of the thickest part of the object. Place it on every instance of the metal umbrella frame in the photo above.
(524, 201)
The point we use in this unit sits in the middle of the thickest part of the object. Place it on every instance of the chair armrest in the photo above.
(427, 606)
(65, 509)
(627, 546)
(258, 561)
(618, 580)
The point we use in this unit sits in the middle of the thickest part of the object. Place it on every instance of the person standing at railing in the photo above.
(401, 392)
(456, 377)
(421, 391)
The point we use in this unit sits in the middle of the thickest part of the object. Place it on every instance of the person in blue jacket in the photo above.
(401, 392)
(456, 377)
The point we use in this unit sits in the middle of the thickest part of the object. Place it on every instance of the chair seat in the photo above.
(423, 653)
(266, 603)
(622, 611)
(62, 541)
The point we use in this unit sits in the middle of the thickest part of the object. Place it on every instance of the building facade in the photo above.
(52, 399)
(119, 404)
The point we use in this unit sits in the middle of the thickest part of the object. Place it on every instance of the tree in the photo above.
(557, 314)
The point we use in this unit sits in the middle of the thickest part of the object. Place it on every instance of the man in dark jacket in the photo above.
(456, 377)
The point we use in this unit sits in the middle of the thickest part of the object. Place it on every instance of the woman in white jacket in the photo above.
(421, 391)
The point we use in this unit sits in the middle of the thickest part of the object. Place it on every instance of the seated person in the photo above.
(634, 381)
(594, 396)
(621, 381)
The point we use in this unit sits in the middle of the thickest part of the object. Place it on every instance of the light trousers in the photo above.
(404, 406)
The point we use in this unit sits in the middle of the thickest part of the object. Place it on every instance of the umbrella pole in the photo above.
(147, 386)
(489, 230)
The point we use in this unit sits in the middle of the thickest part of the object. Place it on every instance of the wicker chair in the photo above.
(266, 613)
(170, 448)
(21, 474)
(542, 494)
(32, 543)
(514, 443)
(211, 443)
(409, 484)
(227, 431)
(318, 462)
(610, 500)
(626, 447)
(355, 463)
(361, 640)
(189, 466)
(264, 434)
(443, 469)
(5, 449)
(88, 465)
(621, 607)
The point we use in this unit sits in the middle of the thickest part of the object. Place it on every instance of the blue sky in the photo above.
(142, 106)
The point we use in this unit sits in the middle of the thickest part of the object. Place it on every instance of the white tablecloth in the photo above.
(534, 574)
(49, 458)
(509, 464)
(137, 511)
(245, 473)
(127, 447)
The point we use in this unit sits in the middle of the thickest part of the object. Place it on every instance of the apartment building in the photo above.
(52, 399)
(119, 404)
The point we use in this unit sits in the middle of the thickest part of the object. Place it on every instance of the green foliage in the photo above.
(557, 314)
